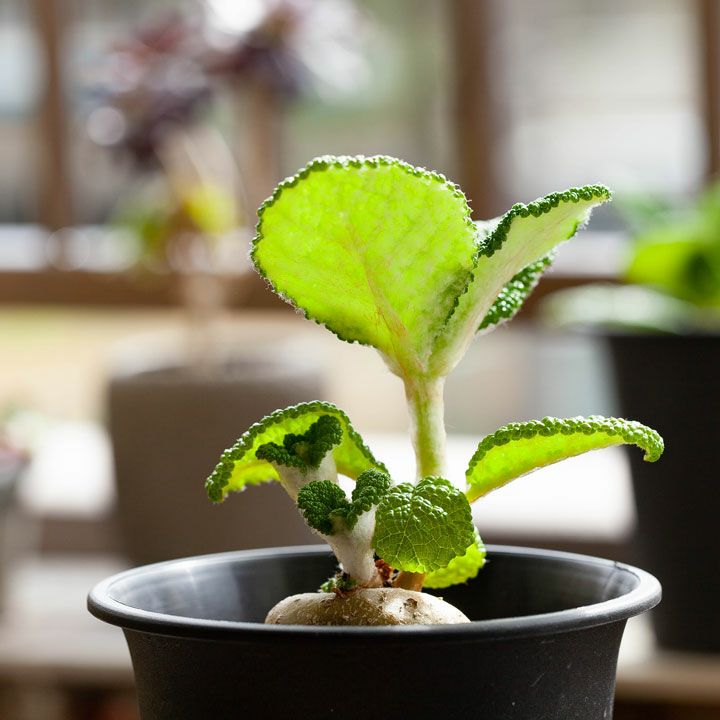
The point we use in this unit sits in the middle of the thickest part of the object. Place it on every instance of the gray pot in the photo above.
(11, 467)
(169, 425)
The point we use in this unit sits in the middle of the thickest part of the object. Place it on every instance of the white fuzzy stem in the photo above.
(293, 479)
(354, 549)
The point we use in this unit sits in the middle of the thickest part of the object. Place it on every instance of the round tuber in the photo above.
(365, 606)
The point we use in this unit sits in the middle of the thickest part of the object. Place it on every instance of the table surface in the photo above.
(47, 638)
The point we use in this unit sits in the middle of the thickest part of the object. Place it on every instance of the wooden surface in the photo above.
(119, 289)
(26, 277)
(46, 634)
(649, 674)
(53, 171)
(708, 14)
(477, 118)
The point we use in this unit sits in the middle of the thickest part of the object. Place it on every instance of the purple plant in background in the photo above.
(290, 46)
(169, 72)
(147, 84)
(156, 93)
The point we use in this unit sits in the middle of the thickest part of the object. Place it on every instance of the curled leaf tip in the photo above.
(249, 460)
(519, 448)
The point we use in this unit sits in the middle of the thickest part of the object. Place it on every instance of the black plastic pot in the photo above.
(543, 642)
(673, 384)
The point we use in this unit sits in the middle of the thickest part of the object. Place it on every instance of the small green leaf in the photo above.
(240, 466)
(461, 569)
(307, 450)
(319, 501)
(323, 503)
(370, 488)
(519, 448)
(514, 294)
(420, 528)
(376, 250)
(522, 237)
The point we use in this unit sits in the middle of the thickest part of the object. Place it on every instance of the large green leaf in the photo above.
(523, 236)
(385, 254)
(239, 465)
(373, 248)
(423, 527)
(519, 448)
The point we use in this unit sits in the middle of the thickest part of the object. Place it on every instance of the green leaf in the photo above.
(679, 261)
(370, 488)
(420, 528)
(514, 294)
(239, 465)
(376, 250)
(460, 569)
(522, 237)
(306, 450)
(323, 503)
(319, 501)
(385, 254)
(210, 208)
(519, 448)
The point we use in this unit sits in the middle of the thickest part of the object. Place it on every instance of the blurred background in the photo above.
(137, 139)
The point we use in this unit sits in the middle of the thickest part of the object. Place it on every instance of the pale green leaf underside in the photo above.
(514, 294)
(374, 249)
(522, 237)
(239, 466)
(461, 569)
(420, 528)
(519, 448)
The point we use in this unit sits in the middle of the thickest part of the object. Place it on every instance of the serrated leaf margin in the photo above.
(323, 163)
(215, 485)
(629, 431)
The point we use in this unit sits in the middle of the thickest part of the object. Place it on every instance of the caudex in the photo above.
(385, 254)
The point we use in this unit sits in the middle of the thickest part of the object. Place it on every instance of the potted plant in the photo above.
(386, 254)
(662, 330)
(155, 93)
(201, 389)
(154, 98)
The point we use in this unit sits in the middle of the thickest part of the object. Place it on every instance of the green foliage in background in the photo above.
(673, 268)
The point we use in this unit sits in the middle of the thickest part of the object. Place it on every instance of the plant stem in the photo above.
(427, 424)
(409, 581)
(427, 427)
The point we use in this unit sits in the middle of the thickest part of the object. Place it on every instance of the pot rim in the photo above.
(104, 606)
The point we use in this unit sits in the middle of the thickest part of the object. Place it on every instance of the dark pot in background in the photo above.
(672, 383)
(169, 425)
(543, 644)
